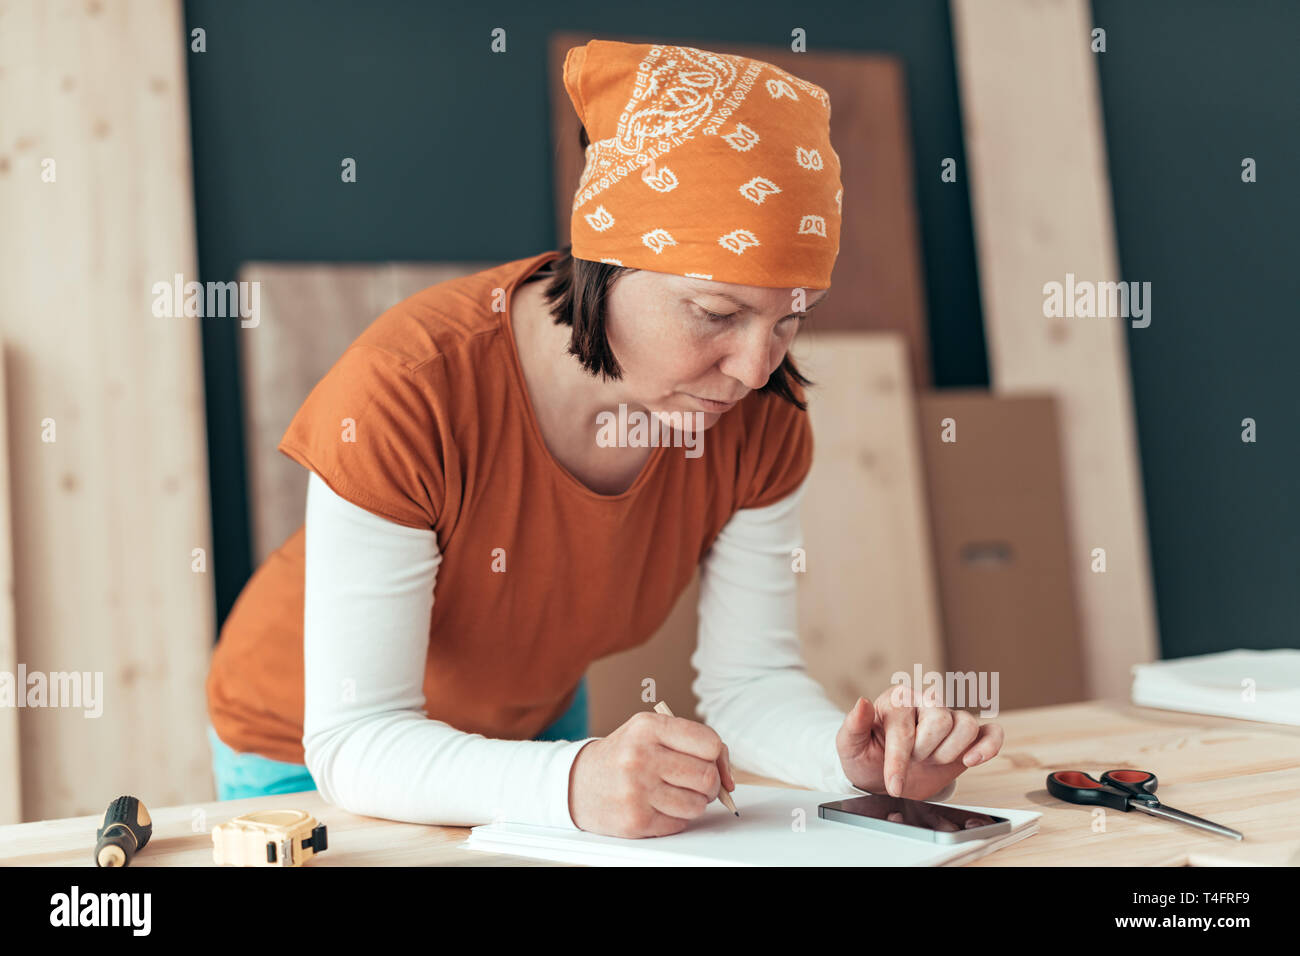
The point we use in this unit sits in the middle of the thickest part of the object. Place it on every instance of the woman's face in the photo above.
(682, 342)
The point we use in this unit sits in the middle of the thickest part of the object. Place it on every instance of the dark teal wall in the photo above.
(1188, 90)
(454, 162)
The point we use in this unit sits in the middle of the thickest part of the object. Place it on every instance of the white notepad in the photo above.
(1251, 685)
(763, 835)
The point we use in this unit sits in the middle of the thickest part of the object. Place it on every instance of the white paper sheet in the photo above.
(1251, 685)
(767, 833)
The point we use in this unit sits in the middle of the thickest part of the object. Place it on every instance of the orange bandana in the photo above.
(705, 165)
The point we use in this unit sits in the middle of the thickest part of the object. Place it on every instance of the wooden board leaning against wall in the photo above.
(1001, 544)
(308, 314)
(106, 412)
(1041, 199)
(10, 756)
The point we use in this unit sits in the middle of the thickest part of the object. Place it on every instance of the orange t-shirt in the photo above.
(425, 420)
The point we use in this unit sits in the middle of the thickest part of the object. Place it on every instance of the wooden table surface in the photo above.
(1239, 773)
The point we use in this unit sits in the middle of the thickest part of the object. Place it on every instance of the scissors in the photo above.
(1124, 790)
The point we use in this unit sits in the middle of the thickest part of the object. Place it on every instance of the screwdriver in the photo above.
(126, 828)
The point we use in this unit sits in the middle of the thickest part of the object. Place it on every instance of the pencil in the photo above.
(723, 795)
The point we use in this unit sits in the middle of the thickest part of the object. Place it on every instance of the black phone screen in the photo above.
(916, 813)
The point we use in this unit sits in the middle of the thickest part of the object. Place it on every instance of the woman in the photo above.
(474, 539)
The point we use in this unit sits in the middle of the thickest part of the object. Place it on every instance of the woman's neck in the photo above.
(566, 398)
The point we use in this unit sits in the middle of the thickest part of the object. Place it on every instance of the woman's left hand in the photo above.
(902, 747)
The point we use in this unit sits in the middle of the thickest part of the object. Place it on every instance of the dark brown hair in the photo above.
(577, 295)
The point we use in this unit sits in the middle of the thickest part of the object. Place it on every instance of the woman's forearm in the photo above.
(403, 766)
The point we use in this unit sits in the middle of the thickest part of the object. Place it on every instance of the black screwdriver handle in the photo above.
(126, 828)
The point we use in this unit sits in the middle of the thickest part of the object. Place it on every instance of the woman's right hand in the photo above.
(650, 777)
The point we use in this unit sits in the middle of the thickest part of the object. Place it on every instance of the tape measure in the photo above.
(268, 838)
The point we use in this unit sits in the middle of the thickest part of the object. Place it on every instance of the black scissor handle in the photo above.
(1075, 786)
(1140, 783)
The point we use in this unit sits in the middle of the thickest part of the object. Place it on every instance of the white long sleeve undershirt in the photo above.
(371, 749)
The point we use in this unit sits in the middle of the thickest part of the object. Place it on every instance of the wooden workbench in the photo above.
(1239, 773)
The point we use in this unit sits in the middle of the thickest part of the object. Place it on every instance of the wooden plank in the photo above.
(878, 279)
(1042, 209)
(309, 313)
(868, 605)
(1002, 550)
(107, 515)
(1243, 774)
(10, 757)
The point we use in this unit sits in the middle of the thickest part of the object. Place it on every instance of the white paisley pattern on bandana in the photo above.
(677, 89)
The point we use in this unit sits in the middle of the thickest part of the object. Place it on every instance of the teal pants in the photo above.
(240, 775)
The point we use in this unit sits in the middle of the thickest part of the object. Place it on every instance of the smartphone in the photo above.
(917, 819)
